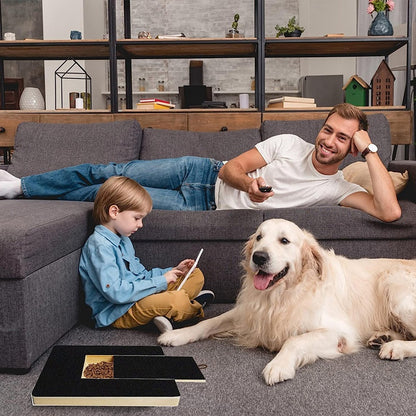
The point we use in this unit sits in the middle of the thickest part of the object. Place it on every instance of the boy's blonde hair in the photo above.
(124, 192)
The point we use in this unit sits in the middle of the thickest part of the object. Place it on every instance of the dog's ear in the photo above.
(247, 250)
(312, 259)
(248, 247)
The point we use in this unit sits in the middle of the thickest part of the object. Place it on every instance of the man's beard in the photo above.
(332, 159)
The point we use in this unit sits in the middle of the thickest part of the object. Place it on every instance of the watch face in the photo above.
(372, 148)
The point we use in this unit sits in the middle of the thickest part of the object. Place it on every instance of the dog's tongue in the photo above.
(262, 280)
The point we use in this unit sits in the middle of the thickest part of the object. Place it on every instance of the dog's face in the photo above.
(278, 251)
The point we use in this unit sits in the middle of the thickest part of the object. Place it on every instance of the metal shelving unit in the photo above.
(259, 48)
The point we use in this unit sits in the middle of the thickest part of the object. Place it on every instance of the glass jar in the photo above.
(142, 84)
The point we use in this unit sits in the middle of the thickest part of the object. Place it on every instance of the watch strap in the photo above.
(365, 152)
(370, 148)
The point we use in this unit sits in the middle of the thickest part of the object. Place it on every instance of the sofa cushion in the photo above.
(169, 237)
(237, 224)
(378, 129)
(358, 173)
(355, 234)
(40, 147)
(35, 233)
(224, 145)
(342, 223)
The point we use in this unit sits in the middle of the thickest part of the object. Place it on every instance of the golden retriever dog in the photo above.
(306, 302)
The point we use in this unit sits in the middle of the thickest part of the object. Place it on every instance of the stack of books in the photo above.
(291, 102)
(154, 104)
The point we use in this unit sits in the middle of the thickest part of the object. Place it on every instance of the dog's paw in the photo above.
(378, 340)
(396, 350)
(174, 338)
(275, 372)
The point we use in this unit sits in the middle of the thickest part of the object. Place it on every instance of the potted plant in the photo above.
(234, 32)
(291, 30)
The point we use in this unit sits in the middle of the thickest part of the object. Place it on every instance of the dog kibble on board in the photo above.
(102, 369)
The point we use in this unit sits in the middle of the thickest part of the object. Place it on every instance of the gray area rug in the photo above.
(359, 384)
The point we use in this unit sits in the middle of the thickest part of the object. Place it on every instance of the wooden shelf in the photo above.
(187, 48)
(128, 48)
(204, 48)
(54, 49)
(214, 120)
(332, 46)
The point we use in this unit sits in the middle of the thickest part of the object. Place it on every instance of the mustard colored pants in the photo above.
(174, 304)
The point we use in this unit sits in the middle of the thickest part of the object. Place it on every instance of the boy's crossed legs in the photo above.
(176, 305)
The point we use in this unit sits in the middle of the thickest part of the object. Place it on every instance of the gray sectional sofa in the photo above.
(40, 240)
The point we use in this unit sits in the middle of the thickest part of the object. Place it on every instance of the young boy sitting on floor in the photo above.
(118, 288)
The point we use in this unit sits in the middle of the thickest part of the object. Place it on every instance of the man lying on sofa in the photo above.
(299, 173)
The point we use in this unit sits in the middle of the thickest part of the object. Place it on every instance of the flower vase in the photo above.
(380, 26)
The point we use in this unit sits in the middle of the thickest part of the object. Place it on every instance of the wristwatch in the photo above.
(371, 148)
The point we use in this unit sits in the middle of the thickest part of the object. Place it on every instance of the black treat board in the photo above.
(143, 376)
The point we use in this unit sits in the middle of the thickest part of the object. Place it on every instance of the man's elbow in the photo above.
(393, 215)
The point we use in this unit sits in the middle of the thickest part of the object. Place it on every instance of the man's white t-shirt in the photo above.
(295, 181)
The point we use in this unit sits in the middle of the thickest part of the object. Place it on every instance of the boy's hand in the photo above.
(172, 275)
(185, 265)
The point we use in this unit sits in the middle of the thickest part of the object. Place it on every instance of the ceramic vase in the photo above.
(380, 26)
(31, 99)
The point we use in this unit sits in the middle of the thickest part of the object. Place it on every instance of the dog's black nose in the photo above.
(260, 258)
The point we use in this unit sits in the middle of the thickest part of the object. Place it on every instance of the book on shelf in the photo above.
(154, 104)
(334, 35)
(291, 102)
(153, 100)
(291, 99)
(291, 105)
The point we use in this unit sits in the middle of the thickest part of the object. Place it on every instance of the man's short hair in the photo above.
(124, 192)
(350, 112)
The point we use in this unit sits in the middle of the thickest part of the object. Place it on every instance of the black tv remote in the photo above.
(265, 189)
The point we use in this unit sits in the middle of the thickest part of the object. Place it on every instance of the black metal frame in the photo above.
(70, 73)
(262, 51)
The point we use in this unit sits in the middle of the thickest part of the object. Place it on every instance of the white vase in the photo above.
(31, 99)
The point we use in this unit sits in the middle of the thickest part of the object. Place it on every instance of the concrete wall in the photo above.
(228, 77)
(24, 18)
(59, 18)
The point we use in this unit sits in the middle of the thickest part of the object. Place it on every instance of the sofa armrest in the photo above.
(401, 166)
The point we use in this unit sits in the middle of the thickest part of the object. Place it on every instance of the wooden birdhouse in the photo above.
(356, 91)
(382, 85)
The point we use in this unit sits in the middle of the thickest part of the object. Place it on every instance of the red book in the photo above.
(153, 100)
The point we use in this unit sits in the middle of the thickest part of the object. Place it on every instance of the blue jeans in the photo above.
(182, 184)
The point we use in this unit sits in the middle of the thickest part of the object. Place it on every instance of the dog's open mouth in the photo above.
(263, 281)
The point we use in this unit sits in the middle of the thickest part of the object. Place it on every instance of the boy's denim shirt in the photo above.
(113, 277)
